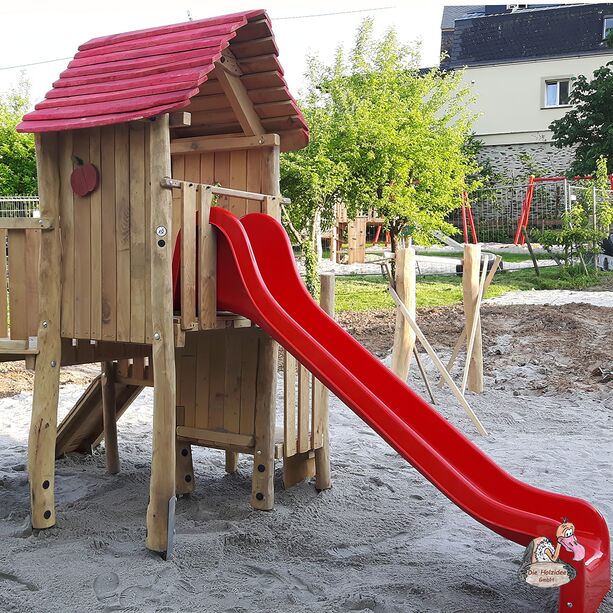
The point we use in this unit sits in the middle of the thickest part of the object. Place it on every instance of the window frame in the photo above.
(556, 79)
(604, 26)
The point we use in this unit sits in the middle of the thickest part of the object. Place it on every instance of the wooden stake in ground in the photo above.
(476, 327)
(321, 398)
(439, 365)
(470, 287)
(404, 337)
(462, 338)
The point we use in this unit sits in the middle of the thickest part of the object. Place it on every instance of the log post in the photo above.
(160, 512)
(262, 496)
(470, 288)
(231, 462)
(321, 399)
(263, 493)
(109, 417)
(404, 337)
(43, 427)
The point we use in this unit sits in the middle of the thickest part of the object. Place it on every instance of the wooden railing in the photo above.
(19, 300)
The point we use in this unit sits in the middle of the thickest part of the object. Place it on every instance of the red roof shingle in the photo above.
(136, 75)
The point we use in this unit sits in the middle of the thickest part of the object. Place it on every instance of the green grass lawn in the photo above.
(366, 293)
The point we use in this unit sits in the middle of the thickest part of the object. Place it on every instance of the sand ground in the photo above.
(382, 539)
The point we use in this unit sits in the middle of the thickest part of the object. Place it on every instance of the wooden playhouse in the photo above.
(139, 137)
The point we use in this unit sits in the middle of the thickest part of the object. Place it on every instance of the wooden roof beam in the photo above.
(228, 75)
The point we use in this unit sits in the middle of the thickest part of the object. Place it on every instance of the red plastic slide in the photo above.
(257, 277)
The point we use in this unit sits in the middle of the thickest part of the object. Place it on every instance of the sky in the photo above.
(41, 30)
(34, 31)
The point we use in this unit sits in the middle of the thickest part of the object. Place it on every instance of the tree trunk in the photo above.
(317, 236)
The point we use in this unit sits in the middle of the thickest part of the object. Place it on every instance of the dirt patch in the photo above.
(566, 343)
(14, 378)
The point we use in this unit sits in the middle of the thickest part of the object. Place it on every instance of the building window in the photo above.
(557, 92)
(607, 26)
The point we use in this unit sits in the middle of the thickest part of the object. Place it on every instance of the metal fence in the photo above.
(19, 206)
(496, 210)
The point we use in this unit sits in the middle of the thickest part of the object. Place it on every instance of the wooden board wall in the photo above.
(105, 285)
(216, 380)
(19, 257)
(235, 169)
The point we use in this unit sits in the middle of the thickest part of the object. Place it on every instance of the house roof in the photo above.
(140, 74)
(533, 33)
(451, 13)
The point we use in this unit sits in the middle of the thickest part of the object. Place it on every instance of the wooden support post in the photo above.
(321, 400)
(263, 495)
(184, 469)
(476, 326)
(404, 337)
(439, 365)
(462, 338)
(470, 287)
(43, 427)
(160, 512)
(109, 417)
(231, 462)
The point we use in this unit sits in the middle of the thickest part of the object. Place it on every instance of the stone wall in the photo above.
(522, 160)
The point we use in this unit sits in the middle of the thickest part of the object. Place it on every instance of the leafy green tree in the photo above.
(588, 126)
(384, 136)
(17, 156)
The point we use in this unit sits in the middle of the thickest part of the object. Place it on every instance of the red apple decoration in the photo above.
(84, 178)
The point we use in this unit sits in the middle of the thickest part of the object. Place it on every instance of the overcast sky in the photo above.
(36, 30)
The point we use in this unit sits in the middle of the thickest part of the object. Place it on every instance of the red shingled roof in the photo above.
(140, 74)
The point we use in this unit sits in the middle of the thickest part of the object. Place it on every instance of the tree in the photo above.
(588, 126)
(386, 136)
(17, 155)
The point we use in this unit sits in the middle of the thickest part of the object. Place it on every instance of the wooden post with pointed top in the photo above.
(404, 337)
(471, 290)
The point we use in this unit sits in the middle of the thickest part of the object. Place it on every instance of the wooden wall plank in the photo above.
(203, 378)
(238, 180)
(232, 404)
(254, 179)
(188, 256)
(188, 386)
(82, 253)
(222, 175)
(109, 244)
(207, 168)
(289, 405)
(137, 232)
(32, 252)
(17, 287)
(67, 232)
(208, 263)
(304, 379)
(217, 385)
(95, 156)
(122, 229)
(178, 172)
(3, 287)
(249, 364)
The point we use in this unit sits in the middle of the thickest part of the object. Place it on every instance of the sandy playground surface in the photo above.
(382, 539)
